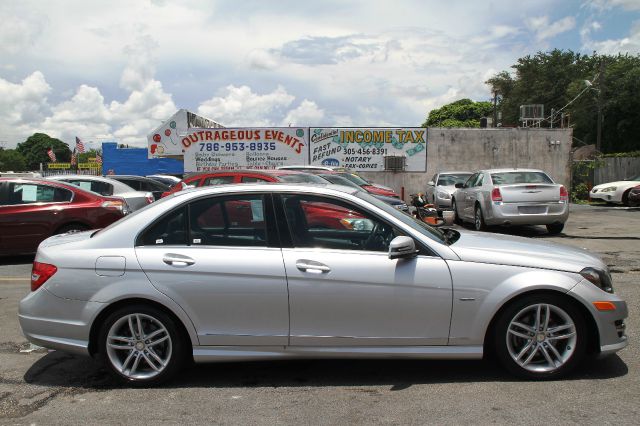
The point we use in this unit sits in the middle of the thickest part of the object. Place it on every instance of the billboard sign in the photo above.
(364, 149)
(243, 148)
(164, 140)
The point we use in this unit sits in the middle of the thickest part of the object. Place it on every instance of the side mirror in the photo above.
(430, 183)
(459, 185)
(402, 247)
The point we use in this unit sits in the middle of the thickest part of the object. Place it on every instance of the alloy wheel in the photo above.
(139, 346)
(541, 338)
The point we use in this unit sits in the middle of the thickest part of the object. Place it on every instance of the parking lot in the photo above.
(47, 387)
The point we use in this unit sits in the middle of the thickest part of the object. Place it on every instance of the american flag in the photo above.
(98, 158)
(79, 146)
(52, 155)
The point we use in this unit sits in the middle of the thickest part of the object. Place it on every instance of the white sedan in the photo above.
(615, 192)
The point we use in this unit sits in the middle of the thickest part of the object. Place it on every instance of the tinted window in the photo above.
(451, 180)
(228, 221)
(319, 222)
(101, 188)
(134, 184)
(508, 178)
(218, 180)
(22, 193)
(252, 179)
(169, 230)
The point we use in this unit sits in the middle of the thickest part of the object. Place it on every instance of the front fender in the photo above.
(481, 289)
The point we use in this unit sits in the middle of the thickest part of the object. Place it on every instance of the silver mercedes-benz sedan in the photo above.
(276, 271)
(511, 197)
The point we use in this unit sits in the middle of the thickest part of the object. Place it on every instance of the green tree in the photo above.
(34, 150)
(556, 79)
(12, 160)
(461, 113)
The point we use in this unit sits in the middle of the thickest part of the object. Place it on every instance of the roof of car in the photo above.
(271, 187)
(44, 181)
(270, 172)
(455, 172)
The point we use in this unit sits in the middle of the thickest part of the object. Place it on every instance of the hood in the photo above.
(450, 189)
(626, 183)
(519, 251)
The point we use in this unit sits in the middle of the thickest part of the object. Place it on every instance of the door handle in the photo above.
(312, 266)
(177, 260)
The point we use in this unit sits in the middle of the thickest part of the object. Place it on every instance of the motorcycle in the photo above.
(425, 212)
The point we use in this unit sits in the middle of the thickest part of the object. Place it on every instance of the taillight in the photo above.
(40, 273)
(564, 195)
(116, 205)
(496, 195)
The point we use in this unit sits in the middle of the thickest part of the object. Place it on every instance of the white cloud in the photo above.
(610, 4)
(629, 44)
(240, 106)
(543, 29)
(306, 114)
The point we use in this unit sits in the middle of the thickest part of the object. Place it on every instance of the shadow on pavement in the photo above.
(16, 260)
(63, 370)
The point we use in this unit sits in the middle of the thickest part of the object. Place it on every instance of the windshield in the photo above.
(301, 178)
(637, 177)
(452, 179)
(339, 180)
(354, 178)
(429, 231)
(508, 178)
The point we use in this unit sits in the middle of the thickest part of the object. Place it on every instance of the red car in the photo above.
(361, 182)
(317, 215)
(32, 210)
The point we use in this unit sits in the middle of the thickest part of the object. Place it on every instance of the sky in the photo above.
(114, 70)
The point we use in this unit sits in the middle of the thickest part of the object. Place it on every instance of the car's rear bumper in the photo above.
(527, 213)
(56, 323)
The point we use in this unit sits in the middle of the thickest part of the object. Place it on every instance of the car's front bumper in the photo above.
(56, 323)
(608, 196)
(610, 324)
(501, 213)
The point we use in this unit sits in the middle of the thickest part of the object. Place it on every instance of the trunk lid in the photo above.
(530, 193)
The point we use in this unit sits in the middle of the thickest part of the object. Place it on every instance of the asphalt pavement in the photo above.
(38, 386)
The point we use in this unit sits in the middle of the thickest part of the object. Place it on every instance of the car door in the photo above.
(30, 213)
(218, 258)
(343, 288)
(461, 196)
(472, 194)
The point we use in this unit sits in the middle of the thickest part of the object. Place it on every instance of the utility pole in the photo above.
(600, 88)
(495, 108)
(553, 112)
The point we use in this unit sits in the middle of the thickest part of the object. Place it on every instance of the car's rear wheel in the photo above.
(540, 337)
(478, 221)
(555, 228)
(141, 345)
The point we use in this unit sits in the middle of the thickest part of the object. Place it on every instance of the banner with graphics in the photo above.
(364, 149)
(244, 148)
(164, 140)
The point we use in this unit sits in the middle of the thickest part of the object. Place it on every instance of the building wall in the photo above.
(134, 161)
(475, 149)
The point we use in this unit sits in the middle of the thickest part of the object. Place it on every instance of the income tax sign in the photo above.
(244, 148)
(364, 149)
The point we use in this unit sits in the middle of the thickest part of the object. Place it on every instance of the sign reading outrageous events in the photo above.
(243, 148)
(364, 149)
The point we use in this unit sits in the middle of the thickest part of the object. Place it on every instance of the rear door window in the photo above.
(218, 180)
(101, 188)
(27, 193)
(252, 179)
(169, 230)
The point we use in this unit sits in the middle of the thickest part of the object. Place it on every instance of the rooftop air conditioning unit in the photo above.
(394, 163)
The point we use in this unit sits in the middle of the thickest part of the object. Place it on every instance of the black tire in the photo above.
(173, 349)
(478, 222)
(555, 228)
(73, 227)
(625, 198)
(573, 347)
(454, 207)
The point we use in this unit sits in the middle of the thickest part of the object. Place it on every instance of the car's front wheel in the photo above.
(141, 345)
(454, 207)
(540, 337)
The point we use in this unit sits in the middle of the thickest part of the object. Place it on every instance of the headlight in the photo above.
(600, 278)
(444, 195)
(609, 189)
